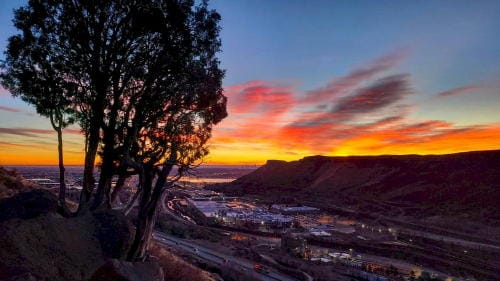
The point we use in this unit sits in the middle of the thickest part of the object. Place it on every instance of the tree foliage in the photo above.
(140, 77)
(34, 72)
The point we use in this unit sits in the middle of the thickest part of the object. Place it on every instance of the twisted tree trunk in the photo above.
(146, 218)
(88, 184)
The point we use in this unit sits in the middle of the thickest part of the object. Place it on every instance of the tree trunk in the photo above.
(62, 181)
(62, 171)
(137, 193)
(131, 203)
(144, 231)
(105, 177)
(88, 172)
(118, 187)
(102, 197)
(146, 218)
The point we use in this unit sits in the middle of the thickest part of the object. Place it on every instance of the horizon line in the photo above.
(261, 164)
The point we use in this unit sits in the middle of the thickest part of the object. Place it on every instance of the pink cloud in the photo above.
(366, 105)
(259, 96)
(33, 132)
(458, 91)
(9, 109)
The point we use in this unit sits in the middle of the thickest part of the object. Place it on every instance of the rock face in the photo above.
(409, 184)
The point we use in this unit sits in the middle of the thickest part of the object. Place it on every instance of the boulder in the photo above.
(128, 271)
(28, 205)
(47, 246)
(114, 232)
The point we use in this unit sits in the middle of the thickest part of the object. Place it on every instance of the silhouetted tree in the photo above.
(174, 117)
(103, 44)
(69, 38)
(144, 82)
(33, 71)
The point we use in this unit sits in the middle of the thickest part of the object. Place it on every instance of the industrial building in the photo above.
(293, 210)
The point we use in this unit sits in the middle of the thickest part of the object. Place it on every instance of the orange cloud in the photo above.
(366, 112)
(425, 142)
(41, 151)
(357, 114)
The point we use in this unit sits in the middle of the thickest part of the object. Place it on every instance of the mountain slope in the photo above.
(407, 184)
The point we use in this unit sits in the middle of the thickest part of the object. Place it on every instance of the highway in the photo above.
(219, 258)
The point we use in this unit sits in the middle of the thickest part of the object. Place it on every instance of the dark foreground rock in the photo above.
(28, 205)
(38, 244)
(128, 271)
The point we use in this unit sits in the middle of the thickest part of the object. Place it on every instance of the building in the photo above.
(295, 244)
(293, 210)
(210, 209)
(320, 233)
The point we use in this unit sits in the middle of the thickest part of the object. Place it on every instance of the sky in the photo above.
(326, 77)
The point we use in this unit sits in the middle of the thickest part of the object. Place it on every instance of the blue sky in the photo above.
(313, 40)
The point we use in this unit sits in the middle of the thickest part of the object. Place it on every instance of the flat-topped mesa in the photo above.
(275, 162)
(316, 158)
(465, 182)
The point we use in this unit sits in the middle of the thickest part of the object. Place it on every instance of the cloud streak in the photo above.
(458, 91)
(32, 132)
(382, 93)
(9, 109)
(366, 111)
(339, 86)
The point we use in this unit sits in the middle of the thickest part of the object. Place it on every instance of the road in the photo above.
(458, 241)
(219, 258)
(404, 266)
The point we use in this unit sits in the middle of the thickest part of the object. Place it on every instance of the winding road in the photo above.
(219, 258)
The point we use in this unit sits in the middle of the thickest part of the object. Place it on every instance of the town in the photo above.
(262, 239)
(308, 234)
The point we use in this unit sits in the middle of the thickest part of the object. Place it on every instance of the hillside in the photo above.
(465, 184)
(11, 183)
(37, 243)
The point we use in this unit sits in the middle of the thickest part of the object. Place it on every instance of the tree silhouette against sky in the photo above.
(142, 80)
